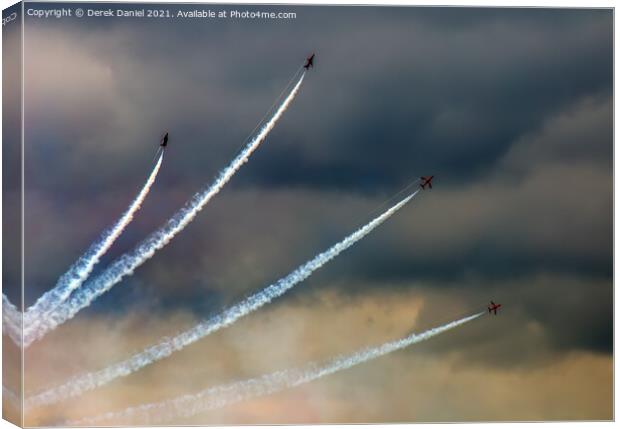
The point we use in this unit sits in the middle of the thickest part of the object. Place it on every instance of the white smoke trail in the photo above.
(127, 263)
(81, 269)
(228, 394)
(11, 397)
(11, 320)
(78, 272)
(85, 382)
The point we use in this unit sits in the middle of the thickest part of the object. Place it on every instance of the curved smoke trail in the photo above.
(89, 381)
(228, 394)
(78, 272)
(127, 263)
(81, 269)
(11, 320)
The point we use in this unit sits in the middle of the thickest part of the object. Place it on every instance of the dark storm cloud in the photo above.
(409, 100)
(408, 92)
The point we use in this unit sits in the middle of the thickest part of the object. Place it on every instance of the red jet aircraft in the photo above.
(426, 180)
(309, 62)
(493, 307)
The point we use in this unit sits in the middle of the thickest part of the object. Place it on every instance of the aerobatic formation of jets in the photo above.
(94, 380)
(424, 180)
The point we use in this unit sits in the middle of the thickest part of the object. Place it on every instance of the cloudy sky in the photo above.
(510, 109)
